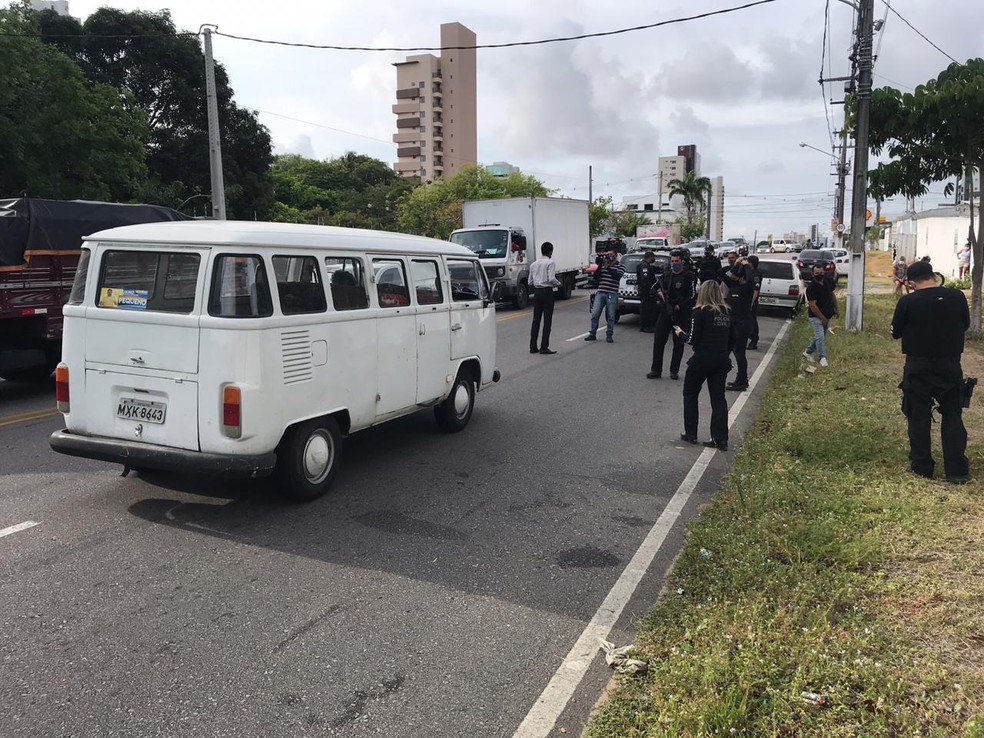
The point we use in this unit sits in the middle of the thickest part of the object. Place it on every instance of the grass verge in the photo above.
(822, 567)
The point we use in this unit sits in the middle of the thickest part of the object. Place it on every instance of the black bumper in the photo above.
(165, 458)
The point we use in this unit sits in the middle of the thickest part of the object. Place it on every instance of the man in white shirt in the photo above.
(543, 275)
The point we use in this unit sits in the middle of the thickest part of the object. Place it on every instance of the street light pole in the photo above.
(214, 134)
(854, 320)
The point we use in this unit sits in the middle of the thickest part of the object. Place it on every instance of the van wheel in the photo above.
(308, 458)
(522, 298)
(453, 414)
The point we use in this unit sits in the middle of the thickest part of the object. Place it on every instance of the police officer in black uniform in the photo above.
(646, 276)
(739, 283)
(753, 329)
(709, 268)
(931, 321)
(677, 289)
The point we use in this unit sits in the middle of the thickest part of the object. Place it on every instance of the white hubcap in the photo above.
(461, 400)
(317, 457)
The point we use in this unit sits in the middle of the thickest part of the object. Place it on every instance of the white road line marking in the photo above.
(18, 528)
(542, 717)
(199, 526)
(577, 337)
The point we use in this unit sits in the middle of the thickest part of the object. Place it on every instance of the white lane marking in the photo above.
(18, 528)
(199, 526)
(542, 717)
(577, 337)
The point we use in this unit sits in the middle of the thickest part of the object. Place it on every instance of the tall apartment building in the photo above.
(717, 209)
(436, 108)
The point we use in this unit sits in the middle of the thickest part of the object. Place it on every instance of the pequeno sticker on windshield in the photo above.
(114, 297)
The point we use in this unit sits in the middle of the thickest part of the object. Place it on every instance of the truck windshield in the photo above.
(485, 244)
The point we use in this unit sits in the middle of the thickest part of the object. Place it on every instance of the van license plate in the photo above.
(142, 410)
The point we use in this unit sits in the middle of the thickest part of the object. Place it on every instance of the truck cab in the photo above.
(503, 254)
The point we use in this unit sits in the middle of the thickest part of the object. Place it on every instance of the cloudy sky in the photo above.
(742, 86)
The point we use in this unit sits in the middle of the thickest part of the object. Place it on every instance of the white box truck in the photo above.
(506, 235)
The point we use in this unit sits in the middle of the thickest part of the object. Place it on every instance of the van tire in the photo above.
(453, 414)
(308, 458)
(522, 298)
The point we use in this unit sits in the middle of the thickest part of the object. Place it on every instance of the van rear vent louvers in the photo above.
(295, 347)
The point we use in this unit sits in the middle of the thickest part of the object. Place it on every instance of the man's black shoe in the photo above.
(912, 470)
(719, 445)
(674, 375)
(735, 387)
(752, 347)
(688, 439)
(654, 375)
(609, 339)
(958, 480)
(547, 351)
(590, 337)
(534, 350)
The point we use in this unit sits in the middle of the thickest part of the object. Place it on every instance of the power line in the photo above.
(823, 54)
(897, 13)
(510, 44)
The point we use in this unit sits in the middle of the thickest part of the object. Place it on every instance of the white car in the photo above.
(782, 286)
(781, 246)
(843, 260)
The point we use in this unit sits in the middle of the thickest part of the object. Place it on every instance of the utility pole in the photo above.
(590, 185)
(841, 187)
(214, 136)
(854, 320)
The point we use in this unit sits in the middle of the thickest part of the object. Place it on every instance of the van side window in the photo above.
(77, 294)
(299, 285)
(240, 288)
(467, 281)
(150, 281)
(348, 283)
(426, 282)
(391, 283)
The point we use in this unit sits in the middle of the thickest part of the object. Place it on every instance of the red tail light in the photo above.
(61, 388)
(232, 424)
(831, 265)
(794, 291)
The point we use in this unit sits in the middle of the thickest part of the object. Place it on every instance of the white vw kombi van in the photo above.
(245, 349)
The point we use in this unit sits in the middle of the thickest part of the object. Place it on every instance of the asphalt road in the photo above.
(433, 592)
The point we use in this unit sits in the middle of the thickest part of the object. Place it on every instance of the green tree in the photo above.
(691, 226)
(931, 135)
(695, 191)
(158, 69)
(59, 136)
(599, 216)
(434, 209)
(352, 190)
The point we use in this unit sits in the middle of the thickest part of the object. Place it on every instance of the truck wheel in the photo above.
(522, 298)
(566, 287)
(453, 414)
(308, 458)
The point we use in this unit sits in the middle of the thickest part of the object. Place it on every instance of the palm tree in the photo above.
(695, 191)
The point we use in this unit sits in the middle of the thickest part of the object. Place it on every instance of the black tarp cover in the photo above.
(31, 224)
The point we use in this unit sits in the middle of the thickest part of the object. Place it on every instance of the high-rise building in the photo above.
(692, 158)
(436, 108)
(717, 209)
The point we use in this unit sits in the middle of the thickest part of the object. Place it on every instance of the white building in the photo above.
(938, 233)
(717, 209)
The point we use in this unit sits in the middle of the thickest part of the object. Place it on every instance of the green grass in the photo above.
(831, 570)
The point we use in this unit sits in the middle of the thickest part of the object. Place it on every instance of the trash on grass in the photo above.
(618, 658)
(810, 369)
(705, 553)
(815, 698)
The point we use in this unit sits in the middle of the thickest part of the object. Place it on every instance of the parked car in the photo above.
(722, 248)
(763, 248)
(782, 286)
(781, 246)
(809, 258)
(843, 260)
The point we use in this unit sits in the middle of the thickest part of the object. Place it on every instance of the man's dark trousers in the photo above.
(924, 379)
(664, 329)
(543, 305)
(647, 308)
(740, 326)
(715, 374)
(753, 331)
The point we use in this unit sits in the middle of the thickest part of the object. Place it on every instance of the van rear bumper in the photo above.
(165, 458)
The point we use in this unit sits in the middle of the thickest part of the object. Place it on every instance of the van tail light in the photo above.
(232, 418)
(61, 388)
(794, 291)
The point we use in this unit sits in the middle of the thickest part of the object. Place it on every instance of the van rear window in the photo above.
(240, 288)
(147, 281)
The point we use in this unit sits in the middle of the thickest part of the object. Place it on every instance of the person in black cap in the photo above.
(931, 321)
(753, 331)
(647, 274)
